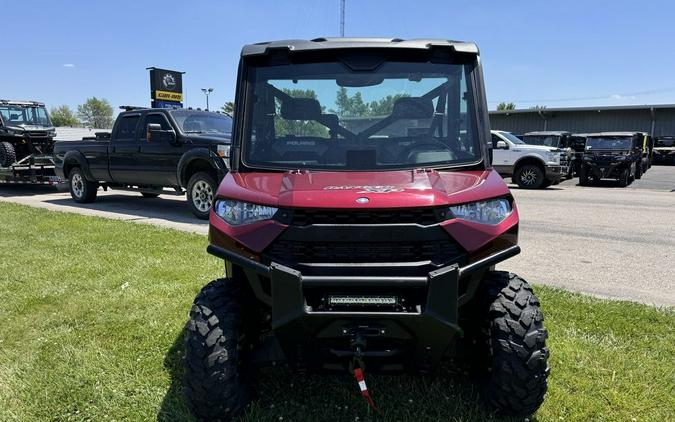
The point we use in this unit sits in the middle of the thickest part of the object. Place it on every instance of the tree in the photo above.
(284, 127)
(228, 108)
(64, 116)
(385, 106)
(538, 107)
(506, 106)
(96, 113)
(350, 106)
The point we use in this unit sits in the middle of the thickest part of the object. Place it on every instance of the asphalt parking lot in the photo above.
(602, 240)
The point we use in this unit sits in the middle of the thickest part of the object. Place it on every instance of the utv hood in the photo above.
(363, 190)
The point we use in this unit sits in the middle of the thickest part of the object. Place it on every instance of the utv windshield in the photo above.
(204, 122)
(14, 115)
(326, 116)
(545, 140)
(513, 138)
(611, 143)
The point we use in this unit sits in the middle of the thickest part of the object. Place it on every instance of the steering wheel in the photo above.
(428, 145)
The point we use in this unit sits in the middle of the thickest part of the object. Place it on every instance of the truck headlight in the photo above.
(554, 157)
(237, 213)
(491, 212)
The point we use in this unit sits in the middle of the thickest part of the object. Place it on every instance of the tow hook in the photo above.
(357, 367)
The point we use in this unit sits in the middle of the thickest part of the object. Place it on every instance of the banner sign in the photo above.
(166, 104)
(166, 86)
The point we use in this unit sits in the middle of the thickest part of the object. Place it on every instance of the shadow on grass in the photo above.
(286, 395)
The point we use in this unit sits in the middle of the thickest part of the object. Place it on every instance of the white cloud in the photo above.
(68, 65)
(621, 97)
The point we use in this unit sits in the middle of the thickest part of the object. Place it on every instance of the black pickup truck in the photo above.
(151, 151)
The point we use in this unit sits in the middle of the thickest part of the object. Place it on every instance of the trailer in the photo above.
(31, 170)
(26, 144)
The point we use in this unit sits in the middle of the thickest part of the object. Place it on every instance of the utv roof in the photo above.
(618, 134)
(319, 44)
(22, 103)
(548, 132)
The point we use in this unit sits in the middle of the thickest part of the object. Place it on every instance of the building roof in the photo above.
(318, 44)
(596, 108)
(76, 133)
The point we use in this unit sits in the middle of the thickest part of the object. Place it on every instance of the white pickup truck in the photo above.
(529, 166)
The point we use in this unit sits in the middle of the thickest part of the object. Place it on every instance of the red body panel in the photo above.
(384, 190)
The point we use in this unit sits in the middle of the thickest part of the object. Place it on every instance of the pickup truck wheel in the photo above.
(215, 380)
(7, 154)
(510, 354)
(200, 192)
(81, 190)
(529, 176)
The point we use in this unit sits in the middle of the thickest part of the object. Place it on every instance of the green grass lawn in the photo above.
(91, 323)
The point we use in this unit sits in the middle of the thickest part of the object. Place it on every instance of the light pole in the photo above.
(206, 92)
(342, 18)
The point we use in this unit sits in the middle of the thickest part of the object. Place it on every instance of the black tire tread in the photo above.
(90, 188)
(7, 154)
(517, 381)
(537, 184)
(194, 179)
(212, 380)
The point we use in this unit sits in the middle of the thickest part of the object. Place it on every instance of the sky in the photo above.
(556, 54)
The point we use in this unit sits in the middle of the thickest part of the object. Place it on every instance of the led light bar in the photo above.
(362, 300)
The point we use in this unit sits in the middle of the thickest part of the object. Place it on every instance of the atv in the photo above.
(613, 155)
(360, 226)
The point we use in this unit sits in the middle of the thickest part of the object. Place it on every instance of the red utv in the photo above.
(360, 226)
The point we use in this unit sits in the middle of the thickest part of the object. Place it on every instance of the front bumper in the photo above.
(412, 337)
(605, 171)
(554, 173)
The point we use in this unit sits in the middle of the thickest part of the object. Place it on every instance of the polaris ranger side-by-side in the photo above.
(363, 239)
(182, 150)
(26, 143)
(612, 155)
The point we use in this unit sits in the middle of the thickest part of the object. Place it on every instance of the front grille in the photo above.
(38, 134)
(291, 252)
(421, 216)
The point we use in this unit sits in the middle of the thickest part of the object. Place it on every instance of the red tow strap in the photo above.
(358, 374)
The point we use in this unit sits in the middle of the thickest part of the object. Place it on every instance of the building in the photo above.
(76, 133)
(654, 119)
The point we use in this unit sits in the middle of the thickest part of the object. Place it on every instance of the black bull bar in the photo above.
(415, 339)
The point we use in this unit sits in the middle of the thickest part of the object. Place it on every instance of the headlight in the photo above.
(554, 157)
(492, 212)
(223, 151)
(237, 213)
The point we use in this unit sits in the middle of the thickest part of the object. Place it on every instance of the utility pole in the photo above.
(206, 92)
(342, 18)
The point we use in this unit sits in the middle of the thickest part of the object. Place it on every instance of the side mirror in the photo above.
(153, 130)
(502, 145)
(156, 134)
